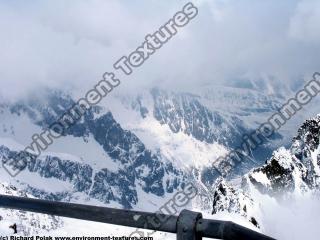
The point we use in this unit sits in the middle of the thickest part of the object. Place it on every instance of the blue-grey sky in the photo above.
(71, 43)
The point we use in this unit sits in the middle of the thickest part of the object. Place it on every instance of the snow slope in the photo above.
(283, 194)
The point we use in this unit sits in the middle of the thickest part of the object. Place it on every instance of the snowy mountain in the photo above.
(129, 162)
(167, 133)
(233, 200)
(135, 150)
(289, 177)
(293, 170)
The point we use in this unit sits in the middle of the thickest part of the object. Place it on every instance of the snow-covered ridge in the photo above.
(294, 170)
(232, 200)
(27, 223)
(132, 151)
(289, 176)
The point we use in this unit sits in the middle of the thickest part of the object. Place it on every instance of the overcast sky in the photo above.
(71, 43)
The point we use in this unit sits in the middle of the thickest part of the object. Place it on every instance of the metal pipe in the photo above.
(152, 221)
(92, 213)
(228, 231)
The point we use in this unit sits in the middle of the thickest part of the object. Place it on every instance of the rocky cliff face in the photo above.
(227, 198)
(212, 117)
(289, 173)
(282, 174)
(292, 170)
(104, 185)
(184, 112)
(136, 165)
(133, 152)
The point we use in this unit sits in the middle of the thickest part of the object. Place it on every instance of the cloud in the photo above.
(292, 220)
(71, 43)
(304, 25)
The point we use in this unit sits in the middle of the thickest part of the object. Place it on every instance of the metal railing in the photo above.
(188, 225)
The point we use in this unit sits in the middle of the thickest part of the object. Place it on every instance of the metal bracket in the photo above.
(186, 225)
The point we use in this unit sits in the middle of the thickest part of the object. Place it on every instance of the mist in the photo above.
(293, 220)
(70, 44)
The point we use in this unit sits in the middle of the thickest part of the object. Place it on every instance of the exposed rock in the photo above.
(228, 198)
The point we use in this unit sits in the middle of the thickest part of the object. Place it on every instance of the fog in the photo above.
(69, 44)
